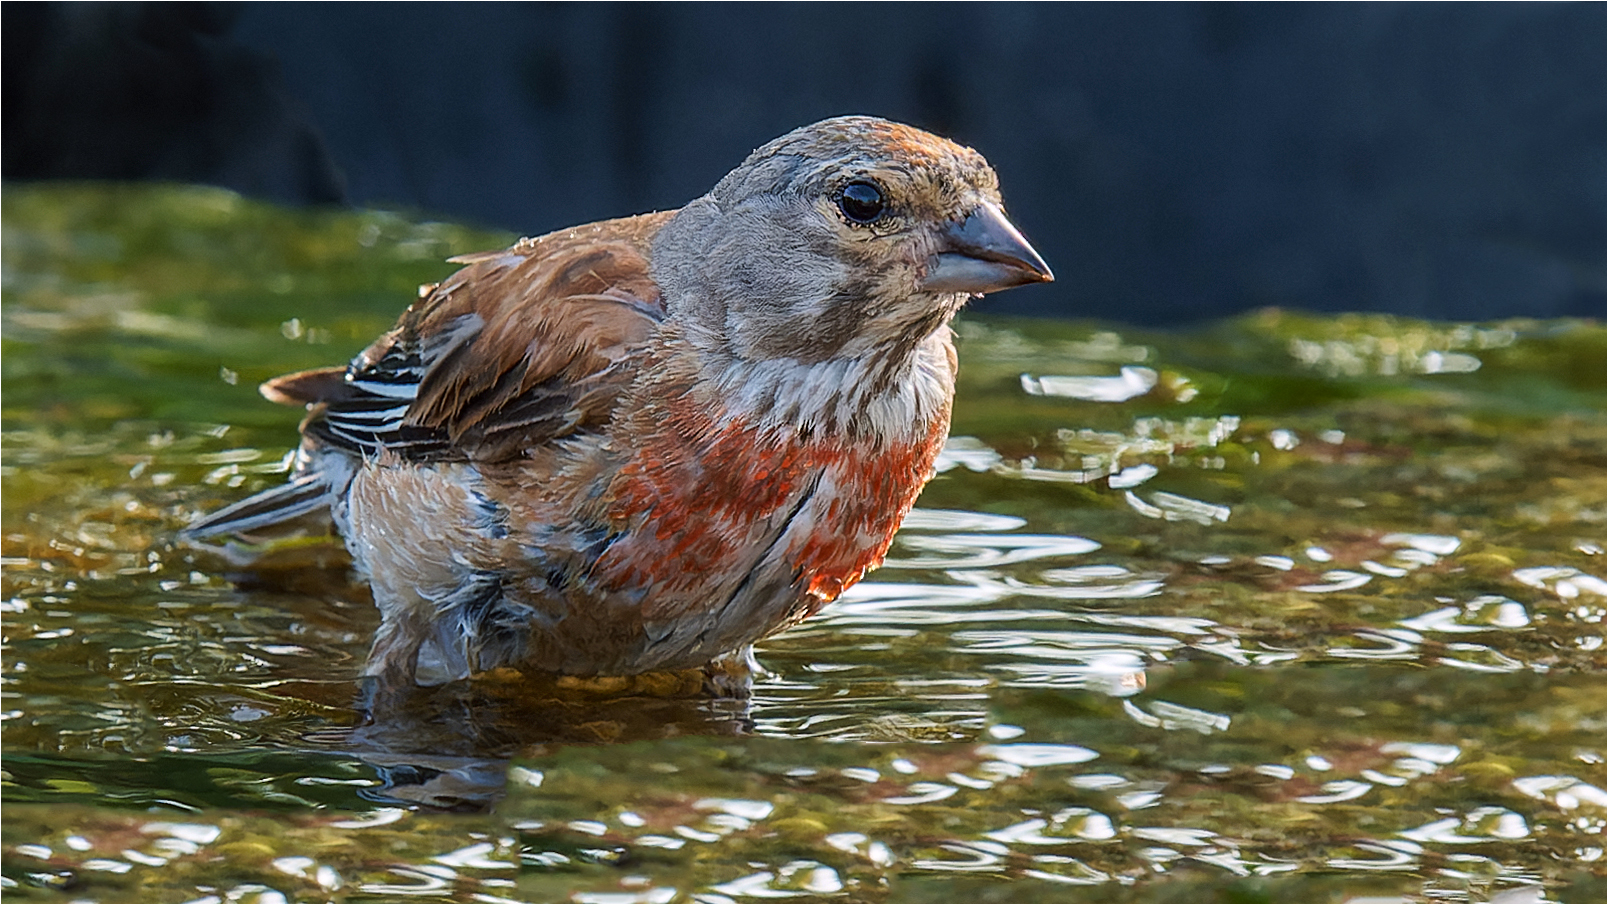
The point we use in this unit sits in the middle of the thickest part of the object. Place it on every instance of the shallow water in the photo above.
(1281, 608)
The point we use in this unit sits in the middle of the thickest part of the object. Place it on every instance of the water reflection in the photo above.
(1128, 383)
(986, 550)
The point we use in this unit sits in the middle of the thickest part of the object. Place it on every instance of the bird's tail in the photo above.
(302, 494)
(320, 475)
(318, 482)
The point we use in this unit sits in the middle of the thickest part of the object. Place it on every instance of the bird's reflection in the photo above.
(449, 747)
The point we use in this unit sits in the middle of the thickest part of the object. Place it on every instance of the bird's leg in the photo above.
(394, 658)
(731, 675)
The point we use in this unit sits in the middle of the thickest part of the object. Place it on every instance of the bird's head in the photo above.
(842, 238)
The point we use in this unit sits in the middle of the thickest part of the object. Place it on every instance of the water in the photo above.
(1274, 609)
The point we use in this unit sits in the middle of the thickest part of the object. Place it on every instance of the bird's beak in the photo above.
(984, 253)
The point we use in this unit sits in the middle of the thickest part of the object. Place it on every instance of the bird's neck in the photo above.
(887, 396)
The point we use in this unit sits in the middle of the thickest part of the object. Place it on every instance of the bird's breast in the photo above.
(698, 511)
(857, 506)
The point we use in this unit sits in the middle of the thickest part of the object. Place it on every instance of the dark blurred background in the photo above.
(1172, 161)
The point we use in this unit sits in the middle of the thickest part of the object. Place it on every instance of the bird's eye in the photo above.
(861, 202)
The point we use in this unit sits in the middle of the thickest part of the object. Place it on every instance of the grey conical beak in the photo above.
(984, 253)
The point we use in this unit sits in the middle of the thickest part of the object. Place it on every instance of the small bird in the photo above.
(644, 444)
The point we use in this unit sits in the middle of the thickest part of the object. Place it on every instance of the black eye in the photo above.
(861, 202)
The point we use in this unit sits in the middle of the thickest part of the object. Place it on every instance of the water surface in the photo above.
(1281, 608)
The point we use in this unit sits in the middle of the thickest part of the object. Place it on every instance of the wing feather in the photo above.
(520, 347)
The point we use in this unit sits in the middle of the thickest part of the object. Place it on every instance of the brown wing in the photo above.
(302, 387)
(516, 349)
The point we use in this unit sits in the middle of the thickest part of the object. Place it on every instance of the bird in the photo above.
(646, 443)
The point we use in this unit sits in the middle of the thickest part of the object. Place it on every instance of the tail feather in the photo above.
(302, 494)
